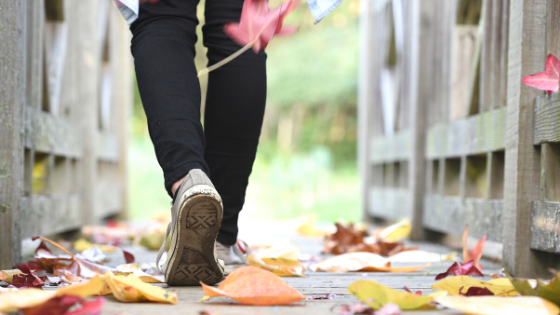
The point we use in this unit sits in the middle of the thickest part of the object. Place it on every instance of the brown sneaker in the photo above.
(196, 216)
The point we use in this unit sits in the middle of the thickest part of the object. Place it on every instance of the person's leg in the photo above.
(163, 42)
(234, 112)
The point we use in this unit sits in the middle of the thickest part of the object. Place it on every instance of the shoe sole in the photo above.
(193, 259)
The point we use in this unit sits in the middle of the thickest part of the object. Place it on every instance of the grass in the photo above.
(283, 186)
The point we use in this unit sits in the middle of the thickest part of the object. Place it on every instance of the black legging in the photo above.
(163, 46)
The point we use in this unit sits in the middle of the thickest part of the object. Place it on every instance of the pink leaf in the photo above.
(476, 253)
(466, 269)
(258, 24)
(546, 80)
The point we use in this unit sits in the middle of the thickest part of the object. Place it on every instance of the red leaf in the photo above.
(466, 269)
(128, 257)
(28, 279)
(546, 80)
(43, 249)
(475, 291)
(476, 253)
(258, 25)
(409, 291)
(62, 306)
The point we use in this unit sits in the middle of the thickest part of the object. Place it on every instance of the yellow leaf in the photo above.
(132, 289)
(452, 285)
(8, 275)
(135, 269)
(307, 226)
(281, 250)
(82, 244)
(12, 301)
(153, 241)
(84, 289)
(377, 295)
(254, 286)
(492, 305)
(279, 266)
(396, 232)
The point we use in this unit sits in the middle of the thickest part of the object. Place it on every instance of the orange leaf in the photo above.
(395, 269)
(476, 253)
(254, 286)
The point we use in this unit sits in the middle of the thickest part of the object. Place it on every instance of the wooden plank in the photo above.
(545, 228)
(553, 23)
(477, 134)
(365, 103)
(388, 203)
(391, 148)
(550, 172)
(487, 58)
(13, 20)
(500, 51)
(547, 119)
(527, 54)
(465, 62)
(50, 214)
(450, 215)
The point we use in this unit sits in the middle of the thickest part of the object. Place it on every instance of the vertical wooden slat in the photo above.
(527, 53)
(12, 100)
(487, 57)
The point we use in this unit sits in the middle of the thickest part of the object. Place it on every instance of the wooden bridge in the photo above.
(448, 134)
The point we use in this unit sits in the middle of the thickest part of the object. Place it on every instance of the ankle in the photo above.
(176, 185)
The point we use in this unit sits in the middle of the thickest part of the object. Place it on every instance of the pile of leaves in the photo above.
(349, 239)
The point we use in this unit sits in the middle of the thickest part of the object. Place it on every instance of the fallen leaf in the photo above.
(500, 287)
(82, 244)
(550, 291)
(394, 232)
(83, 289)
(307, 226)
(8, 275)
(258, 25)
(135, 269)
(29, 297)
(354, 309)
(476, 253)
(208, 313)
(546, 80)
(409, 291)
(66, 305)
(280, 250)
(152, 241)
(279, 266)
(27, 278)
(254, 286)
(93, 254)
(377, 295)
(466, 269)
(361, 262)
(321, 297)
(132, 289)
(492, 305)
(67, 275)
(349, 239)
(475, 291)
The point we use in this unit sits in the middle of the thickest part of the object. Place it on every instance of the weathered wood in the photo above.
(550, 172)
(547, 119)
(545, 228)
(448, 214)
(390, 148)
(487, 58)
(466, 54)
(527, 53)
(474, 135)
(12, 99)
(388, 202)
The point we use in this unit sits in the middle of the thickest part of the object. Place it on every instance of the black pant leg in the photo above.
(163, 42)
(234, 112)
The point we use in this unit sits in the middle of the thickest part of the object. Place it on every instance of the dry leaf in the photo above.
(377, 295)
(27, 278)
(8, 275)
(500, 287)
(132, 289)
(12, 301)
(281, 250)
(546, 80)
(135, 269)
(361, 262)
(394, 232)
(457, 269)
(476, 253)
(82, 244)
(67, 305)
(83, 289)
(492, 305)
(279, 266)
(254, 286)
(349, 239)
(550, 291)
(306, 226)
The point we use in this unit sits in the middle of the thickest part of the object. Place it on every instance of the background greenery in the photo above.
(306, 162)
